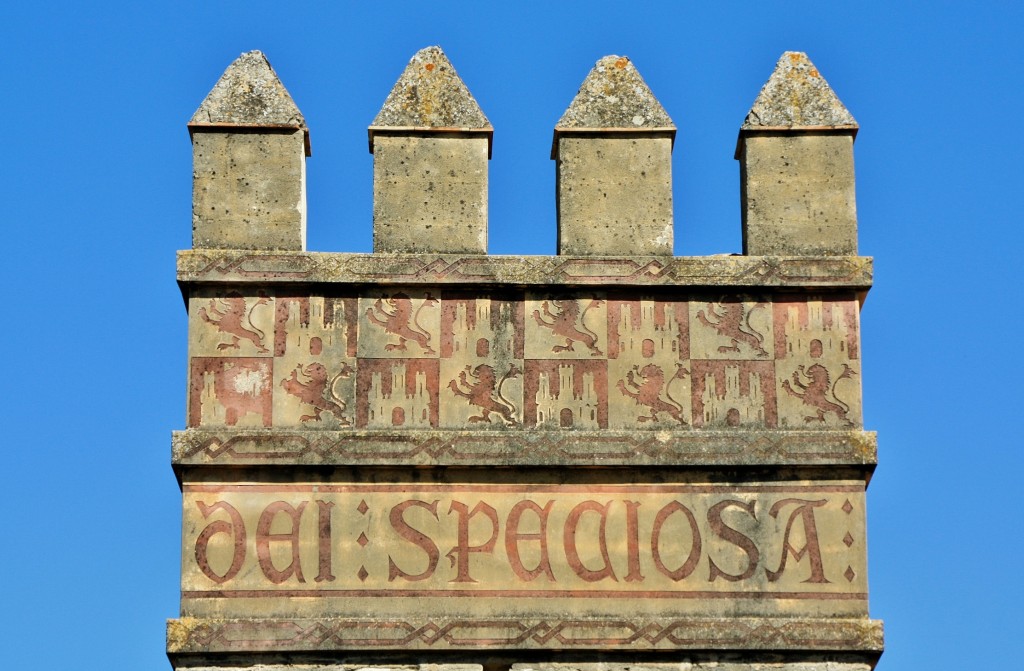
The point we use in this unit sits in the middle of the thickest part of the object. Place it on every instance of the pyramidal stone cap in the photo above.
(249, 94)
(613, 98)
(430, 96)
(797, 97)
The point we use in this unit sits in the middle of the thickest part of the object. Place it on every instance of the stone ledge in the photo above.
(197, 636)
(513, 661)
(235, 266)
(255, 447)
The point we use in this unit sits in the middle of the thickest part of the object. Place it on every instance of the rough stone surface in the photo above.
(795, 96)
(614, 95)
(726, 270)
(249, 190)
(504, 661)
(430, 94)
(694, 666)
(249, 93)
(798, 195)
(430, 194)
(614, 195)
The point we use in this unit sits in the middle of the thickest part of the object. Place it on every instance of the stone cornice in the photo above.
(700, 448)
(238, 266)
(203, 636)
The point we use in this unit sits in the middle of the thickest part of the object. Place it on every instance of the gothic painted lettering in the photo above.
(666, 540)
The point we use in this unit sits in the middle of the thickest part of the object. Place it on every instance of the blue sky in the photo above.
(96, 194)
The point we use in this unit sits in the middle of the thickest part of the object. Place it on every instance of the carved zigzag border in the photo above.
(190, 635)
(228, 266)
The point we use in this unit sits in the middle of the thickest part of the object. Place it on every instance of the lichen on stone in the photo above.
(249, 93)
(614, 95)
(795, 96)
(430, 94)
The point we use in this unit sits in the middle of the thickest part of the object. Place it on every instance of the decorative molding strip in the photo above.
(241, 447)
(211, 265)
(193, 635)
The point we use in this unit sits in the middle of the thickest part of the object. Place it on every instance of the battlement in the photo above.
(612, 149)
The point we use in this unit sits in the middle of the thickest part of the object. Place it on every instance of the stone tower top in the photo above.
(249, 93)
(797, 96)
(632, 461)
(430, 95)
(614, 95)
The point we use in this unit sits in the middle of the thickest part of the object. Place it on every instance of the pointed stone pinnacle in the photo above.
(249, 93)
(797, 96)
(614, 95)
(430, 94)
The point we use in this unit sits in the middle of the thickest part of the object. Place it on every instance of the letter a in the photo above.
(264, 538)
(806, 513)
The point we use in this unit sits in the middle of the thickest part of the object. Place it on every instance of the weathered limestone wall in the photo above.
(248, 190)
(432, 459)
(615, 186)
(420, 204)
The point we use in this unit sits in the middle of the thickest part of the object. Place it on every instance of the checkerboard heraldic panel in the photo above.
(611, 457)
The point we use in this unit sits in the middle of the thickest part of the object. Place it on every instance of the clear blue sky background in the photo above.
(96, 197)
